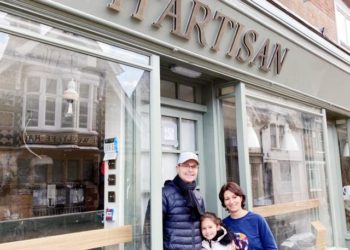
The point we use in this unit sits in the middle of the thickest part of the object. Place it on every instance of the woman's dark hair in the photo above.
(234, 188)
(212, 217)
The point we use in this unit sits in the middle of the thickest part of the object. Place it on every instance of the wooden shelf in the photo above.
(75, 241)
(286, 208)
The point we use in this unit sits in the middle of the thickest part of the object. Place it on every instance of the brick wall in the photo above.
(318, 13)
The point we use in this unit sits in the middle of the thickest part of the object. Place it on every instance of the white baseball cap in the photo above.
(185, 156)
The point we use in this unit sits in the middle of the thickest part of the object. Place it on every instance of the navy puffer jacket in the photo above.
(180, 231)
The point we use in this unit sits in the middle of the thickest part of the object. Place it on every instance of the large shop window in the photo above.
(288, 167)
(74, 140)
(343, 141)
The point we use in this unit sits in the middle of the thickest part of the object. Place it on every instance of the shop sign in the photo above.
(243, 40)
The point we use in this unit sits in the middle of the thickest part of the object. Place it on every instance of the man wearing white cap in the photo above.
(182, 206)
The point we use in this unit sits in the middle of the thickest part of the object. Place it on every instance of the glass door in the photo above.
(181, 131)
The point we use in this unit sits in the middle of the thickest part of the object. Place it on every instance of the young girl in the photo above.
(215, 235)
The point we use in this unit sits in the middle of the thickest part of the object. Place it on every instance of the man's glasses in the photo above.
(190, 166)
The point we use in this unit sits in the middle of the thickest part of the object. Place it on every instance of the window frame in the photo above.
(341, 9)
(90, 100)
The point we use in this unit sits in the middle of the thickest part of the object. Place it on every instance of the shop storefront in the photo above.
(98, 98)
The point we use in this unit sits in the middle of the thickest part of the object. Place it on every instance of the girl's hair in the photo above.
(212, 217)
(234, 188)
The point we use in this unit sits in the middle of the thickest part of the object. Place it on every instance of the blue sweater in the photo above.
(180, 231)
(251, 232)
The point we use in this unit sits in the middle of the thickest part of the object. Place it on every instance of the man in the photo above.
(182, 207)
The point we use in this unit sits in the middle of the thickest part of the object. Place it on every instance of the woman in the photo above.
(250, 230)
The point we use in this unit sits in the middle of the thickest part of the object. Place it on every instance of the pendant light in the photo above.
(253, 140)
(289, 142)
(185, 71)
(70, 95)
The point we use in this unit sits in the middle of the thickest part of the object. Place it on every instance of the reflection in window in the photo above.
(175, 90)
(40, 173)
(186, 93)
(170, 132)
(32, 111)
(273, 135)
(343, 141)
(88, 170)
(314, 172)
(342, 14)
(188, 135)
(68, 121)
(286, 174)
(83, 117)
(84, 101)
(57, 172)
(73, 170)
(54, 121)
(69, 38)
(289, 167)
(128, 78)
(230, 132)
(227, 90)
(50, 111)
(168, 89)
(122, 53)
(23, 172)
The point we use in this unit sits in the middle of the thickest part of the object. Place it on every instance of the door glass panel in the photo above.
(188, 135)
(170, 133)
(169, 162)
